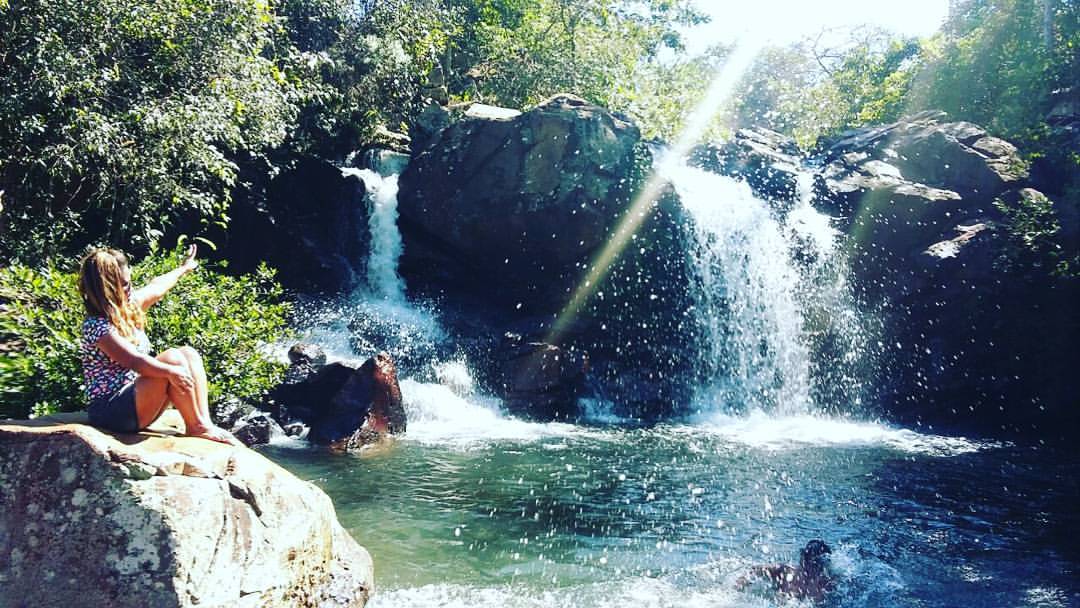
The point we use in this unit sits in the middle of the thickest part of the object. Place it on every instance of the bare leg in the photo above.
(196, 420)
(198, 373)
(150, 399)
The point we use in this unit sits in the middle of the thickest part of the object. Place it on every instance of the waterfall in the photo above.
(766, 292)
(383, 280)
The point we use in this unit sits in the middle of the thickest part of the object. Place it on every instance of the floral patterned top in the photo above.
(102, 376)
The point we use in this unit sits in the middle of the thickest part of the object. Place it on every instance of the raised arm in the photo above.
(149, 294)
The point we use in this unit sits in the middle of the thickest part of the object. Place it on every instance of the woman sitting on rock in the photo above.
(126, 387)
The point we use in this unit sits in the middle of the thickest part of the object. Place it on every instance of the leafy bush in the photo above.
(229, 320)
(121, 117)
(1032, 230)
(41, 316)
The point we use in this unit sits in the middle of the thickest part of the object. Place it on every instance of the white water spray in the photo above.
(753, 296)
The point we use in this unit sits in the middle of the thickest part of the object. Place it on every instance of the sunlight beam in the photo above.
(696, 125)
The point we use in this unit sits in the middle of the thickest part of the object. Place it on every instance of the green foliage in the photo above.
(1032, 229)
(229, 320)
(364, 64)
(516, 53)
(810, 89)
(992, 65)
(118, 117)
(41, 317)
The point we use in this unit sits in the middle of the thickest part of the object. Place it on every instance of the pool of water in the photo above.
(477, 509)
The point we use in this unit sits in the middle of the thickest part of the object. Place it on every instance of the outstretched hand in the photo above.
(190, 263)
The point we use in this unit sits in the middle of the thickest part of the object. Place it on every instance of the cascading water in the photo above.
(745, 298)
(383, 280)
(757, 296)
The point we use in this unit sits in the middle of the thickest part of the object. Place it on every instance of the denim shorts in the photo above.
(116, 413)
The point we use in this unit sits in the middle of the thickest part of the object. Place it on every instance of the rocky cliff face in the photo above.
(90, 519)
(970, 341)
(312, 227)
(504, 213)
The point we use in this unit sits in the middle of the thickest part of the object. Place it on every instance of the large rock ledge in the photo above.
(156, 519)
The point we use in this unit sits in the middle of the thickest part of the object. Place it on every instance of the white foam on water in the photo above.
(456, 376)
(758, 429)
(439, 415)
(641, 592)
(281, 440)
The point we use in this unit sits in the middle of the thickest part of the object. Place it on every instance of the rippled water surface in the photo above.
(475, 509)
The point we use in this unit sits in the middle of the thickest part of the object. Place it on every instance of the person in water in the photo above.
(809, 580)
(127, 388)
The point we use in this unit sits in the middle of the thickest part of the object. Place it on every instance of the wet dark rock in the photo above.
(228, 412)
(312, 227)
(256, 429)
(517, 202)
(928, 168)
(305, 353)
(518, 206)
(541, 381)
(768, 161)
(336, 400)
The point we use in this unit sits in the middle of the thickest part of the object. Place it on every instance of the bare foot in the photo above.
(218, 434)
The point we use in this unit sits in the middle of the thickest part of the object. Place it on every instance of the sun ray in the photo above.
(719, 91)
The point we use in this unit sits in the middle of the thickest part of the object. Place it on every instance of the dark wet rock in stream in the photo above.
(541, 381)
(335, 400)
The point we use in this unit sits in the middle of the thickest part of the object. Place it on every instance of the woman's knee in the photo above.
(173, 356)
(190, 353)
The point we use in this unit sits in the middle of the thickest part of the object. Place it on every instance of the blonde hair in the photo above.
(101, 283)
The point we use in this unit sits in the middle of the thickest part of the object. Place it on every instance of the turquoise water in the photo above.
(472, 508)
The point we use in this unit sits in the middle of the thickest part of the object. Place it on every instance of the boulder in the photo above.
(156, 519)
(919, 156)
(979, 345)
(312, 227)
(899, 188)
(541, 381)
(517, 203)
(308, 354)
(768, 161)
(256, 428)
(504, 214)
(335, 400)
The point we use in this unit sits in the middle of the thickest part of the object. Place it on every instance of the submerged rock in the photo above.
(92, 519)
